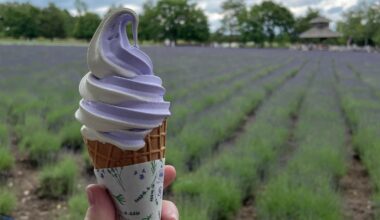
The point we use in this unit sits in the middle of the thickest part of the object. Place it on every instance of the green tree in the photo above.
(52, 22)
(2, 27)
(196, 26)
(376, 38)
(148, 29)
(250, 28)
(218, 36)
(171, 17)
(178, 19)
(372, 23)
(20, 20)
(69, 23)
(232, 10)
(275, 20)
(362, 24)
(266, 22)
(86, 26)
(352, 27)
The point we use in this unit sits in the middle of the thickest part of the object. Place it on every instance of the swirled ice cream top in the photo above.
(122, 98)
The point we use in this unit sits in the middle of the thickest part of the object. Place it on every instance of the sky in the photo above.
(330, 8)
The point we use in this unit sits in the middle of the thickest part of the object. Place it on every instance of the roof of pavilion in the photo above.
(320, 33)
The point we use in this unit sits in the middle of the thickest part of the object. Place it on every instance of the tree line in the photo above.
(23, 20)
(181, 20)
(362, 25)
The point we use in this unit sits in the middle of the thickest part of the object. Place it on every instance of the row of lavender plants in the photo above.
(306, 188)
(361, 104)
(218, 187)
(201, 134)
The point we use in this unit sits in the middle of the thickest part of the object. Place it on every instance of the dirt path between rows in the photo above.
(356, 187)
(248, 211)
(23, 181)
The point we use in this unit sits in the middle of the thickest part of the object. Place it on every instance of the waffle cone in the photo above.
(106, 155)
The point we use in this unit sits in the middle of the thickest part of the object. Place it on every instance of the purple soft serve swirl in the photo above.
(122, 98)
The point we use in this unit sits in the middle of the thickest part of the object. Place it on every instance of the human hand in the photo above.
(101, 206)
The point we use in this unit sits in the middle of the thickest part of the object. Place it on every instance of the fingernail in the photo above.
(90, 197)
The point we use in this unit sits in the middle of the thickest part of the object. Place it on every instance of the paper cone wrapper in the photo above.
(134, 179)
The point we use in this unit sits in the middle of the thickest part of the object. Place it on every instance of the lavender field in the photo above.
(254, 134)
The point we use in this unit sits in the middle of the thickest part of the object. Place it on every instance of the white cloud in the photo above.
(73, 12)
(299, 10)
(214, 19)
(101, 10)
(339, 3)
(202, 5)
(214, 16)
(210, 5)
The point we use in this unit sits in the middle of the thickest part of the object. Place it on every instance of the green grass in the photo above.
(41, 146)
(43, 41)
(4, 135)
(8, 201)
(56, 118)
(71, 137)
(186, 208)
(58, 180)
(367, 141)
(29, 124)
(77, 206)
(217, 195)
(297, 202)
(6, 160)
(376, 200)
(24, 107)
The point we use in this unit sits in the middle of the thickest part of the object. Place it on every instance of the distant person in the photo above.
(101, 206)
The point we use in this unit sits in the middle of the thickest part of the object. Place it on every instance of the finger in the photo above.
(100, 204)
(169, 176)
(169, 211)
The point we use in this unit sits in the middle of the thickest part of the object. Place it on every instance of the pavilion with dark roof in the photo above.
(320, 30)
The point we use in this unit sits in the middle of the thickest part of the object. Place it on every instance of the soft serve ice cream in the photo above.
(122, 98)
(123, 115)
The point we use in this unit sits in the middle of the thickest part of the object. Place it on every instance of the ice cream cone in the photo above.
(122, 101)
(134, 179)
(105, 155)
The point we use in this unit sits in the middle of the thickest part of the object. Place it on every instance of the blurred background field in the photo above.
(254, 134)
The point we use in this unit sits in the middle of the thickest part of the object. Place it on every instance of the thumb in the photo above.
(101, 206)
